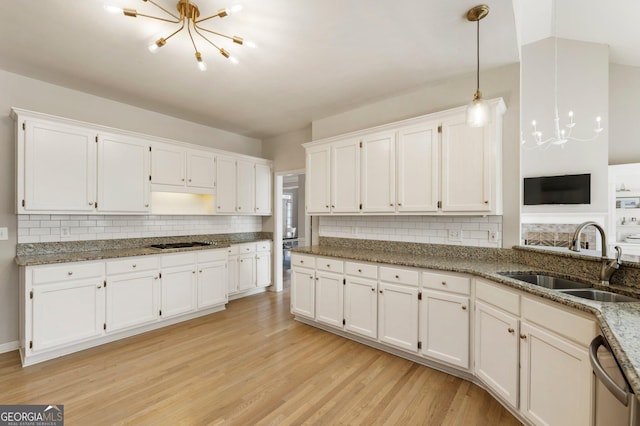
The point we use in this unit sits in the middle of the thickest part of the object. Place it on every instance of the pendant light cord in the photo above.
(478, 55)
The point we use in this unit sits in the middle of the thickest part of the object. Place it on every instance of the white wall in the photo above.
(583, 87)
(286, 150)
(22, 92)
(624, 106)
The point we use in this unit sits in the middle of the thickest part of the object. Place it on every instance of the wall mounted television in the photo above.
(566, 189)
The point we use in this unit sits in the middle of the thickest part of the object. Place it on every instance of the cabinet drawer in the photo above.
(263, 246)
(179, 259)
(212, 255)
(303, 261)
(246, 248)
(233, 250)
(362, 270)
(67, 272)
(570, 325)
(133, 264)
(399, 275)
(497, 296)
(447, 282)
(328, 264)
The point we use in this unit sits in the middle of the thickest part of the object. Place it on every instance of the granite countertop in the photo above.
(77, 251)
(619, 322)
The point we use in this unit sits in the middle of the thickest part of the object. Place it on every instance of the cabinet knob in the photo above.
(200, 270)
(310, 277)
(444, 283)
(316, 278)
(146, 205)
(302, 261)
(390, 204)
(510, 330)
(486, 202)
(257, 208)
(327, 206)
(523, 336)
(99, 286)
(373, 289)
(189, 180)
(360, 270)
(182, 179)
(70, 273)
(380, 291)
(134, 265)
(219, 207)
(193, 272)
(328, 265)
(91, 203)
(332, 206)
(464, 308)
(400, 204)
(155, 278)
(239, 207)
(397, 277)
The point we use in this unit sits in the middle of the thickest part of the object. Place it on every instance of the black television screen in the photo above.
(567, 189)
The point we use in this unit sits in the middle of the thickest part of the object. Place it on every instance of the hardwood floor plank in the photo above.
(251, 364)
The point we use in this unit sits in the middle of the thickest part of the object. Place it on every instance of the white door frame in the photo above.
(277, 226)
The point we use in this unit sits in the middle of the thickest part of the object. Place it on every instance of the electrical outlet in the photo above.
(493, 236)
(4, 234)
(455, 235)
(64, 231)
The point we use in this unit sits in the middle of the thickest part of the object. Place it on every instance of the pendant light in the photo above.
(478, 108)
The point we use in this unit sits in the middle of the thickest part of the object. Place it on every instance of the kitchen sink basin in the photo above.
(546, 281)
(600, 295)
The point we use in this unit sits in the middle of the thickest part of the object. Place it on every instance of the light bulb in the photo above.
(477, 113)
(235, 8)
(112, 8)
(201, 64)
(153, 47)
(250, 44)
(233, 60)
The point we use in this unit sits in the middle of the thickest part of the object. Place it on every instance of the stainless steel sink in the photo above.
(600, 295)
(546, 281)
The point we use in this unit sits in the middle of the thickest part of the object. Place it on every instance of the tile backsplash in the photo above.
(453, 230)
(37, 228)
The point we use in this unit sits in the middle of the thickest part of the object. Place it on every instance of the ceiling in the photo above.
(315, 58)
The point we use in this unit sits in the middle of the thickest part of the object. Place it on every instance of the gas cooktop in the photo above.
(183, 245)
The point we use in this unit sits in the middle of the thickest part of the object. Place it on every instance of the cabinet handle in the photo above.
(510, 330)
(70, 273)
(464, 308)
(523, 336)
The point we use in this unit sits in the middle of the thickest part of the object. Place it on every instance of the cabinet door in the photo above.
(225, 185)
(246, 188)
(345, 176)
(466, 167)
(444, 327)
(263, 269)
(68, 312)
(60, 167)
(556, 380)
(496, 351)
(123, 174)
(318, 180)
(378, 165)
(418, 169)
(263, 189)
(329, 298)
(201, 169)
(398, 316)
(303, 300)
(167, 164)
(178, 291)
(246, 272)
(131, 300)
(212, 284)
(232, 274)
(361, 307)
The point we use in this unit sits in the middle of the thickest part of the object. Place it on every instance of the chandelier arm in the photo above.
(191, 37)
(212, 32)
(202, 35)
(158, 18)
(176, 31)
(178, 18)
(217, 15)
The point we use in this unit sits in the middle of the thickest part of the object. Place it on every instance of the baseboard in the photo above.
(9, 346)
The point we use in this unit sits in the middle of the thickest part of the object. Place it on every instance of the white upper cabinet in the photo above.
(226, 185)
(200, 169)
(123, 174)
(179, 169)
(466, 167)
(246, 186)
(263, 189)
(318, 179)
(59, 167)
(378, 172)
(345, 176)
(432, 164)
(418, 168)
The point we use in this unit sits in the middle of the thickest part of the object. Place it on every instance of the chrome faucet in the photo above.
(609, 266)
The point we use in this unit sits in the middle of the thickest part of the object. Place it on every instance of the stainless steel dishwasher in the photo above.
(615, 402)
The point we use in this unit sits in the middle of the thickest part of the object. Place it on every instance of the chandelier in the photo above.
(561, 133)
(189, 18)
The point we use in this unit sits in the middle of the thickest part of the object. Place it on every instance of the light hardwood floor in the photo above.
(251, 364)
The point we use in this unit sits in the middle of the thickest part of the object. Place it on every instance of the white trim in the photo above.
(9, 346)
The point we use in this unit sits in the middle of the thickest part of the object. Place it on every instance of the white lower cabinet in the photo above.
(67, 312)
(303, 301)
(361, 306)
(263, 264)
(179, 281)
(329, 282)
(246, 271)
(398, 308)
(212, 278)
